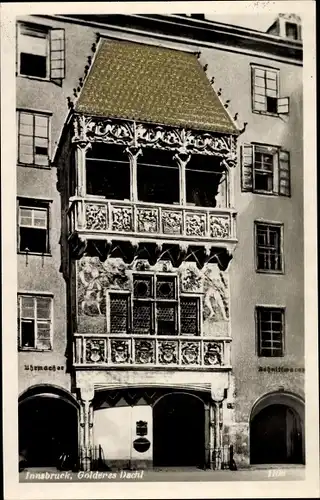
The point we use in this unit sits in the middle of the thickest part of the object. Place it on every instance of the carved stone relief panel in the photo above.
(220, 227)
(195, 224)
(122, 219)
(96, 217)
(171, 222)
(147, 220)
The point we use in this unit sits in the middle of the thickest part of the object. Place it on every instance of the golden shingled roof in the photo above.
(147, 83)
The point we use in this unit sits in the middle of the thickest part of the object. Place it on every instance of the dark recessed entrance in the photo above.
(178, 431)
(48, 426)
(276, 436)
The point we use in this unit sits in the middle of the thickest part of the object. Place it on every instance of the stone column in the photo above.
(86, 427)
(216, 421)
(81, 187)
(81, 151)
(182, 159)
(133, 153)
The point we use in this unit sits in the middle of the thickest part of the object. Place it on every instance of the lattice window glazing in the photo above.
(119, 313)
(143, 287)
(166, 288)
(141, 317)
(166, 318)
(189, 315)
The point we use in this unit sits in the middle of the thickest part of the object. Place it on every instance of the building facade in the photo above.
(160, 231)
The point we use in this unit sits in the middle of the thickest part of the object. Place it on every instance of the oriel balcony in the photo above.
(140, 196)
(108, 218)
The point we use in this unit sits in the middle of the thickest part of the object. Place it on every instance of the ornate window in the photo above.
(33, 138)
(269, 253)
(33, 226)
(265, 170)
(204, 179)
(270, 331)
(35, 322)
(41, 52)
(265, 92)
(157, 308)
(108, 172)
(157, 177)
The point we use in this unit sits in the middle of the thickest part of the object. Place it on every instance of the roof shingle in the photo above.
(149, 83)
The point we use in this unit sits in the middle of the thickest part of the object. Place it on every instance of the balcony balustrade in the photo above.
(98, 218)
(138, 351)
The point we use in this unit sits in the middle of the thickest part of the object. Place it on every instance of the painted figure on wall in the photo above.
(216, 295)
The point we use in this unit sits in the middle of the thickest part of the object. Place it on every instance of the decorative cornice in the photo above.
(132, 134)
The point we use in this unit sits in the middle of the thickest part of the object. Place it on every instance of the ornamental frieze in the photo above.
(132, 134)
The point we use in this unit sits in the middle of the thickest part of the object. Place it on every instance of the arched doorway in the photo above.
(48, 426)
(276, 431)
(179, 431)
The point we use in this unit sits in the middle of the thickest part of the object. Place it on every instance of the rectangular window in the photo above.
(189, 315)
(33, 226)
(35, 322)
(157, 177)
(108, 172)
(204, 179)
(270, 331)
(268, 247)
(292, 31)
(119, 313)
(156, 308)
(265, 169)
(265, 92)
(33, 138)
(41, 52)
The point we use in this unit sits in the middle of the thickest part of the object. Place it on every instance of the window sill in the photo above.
(33, 349)
(260, 356)
(31, 165)
(267, 113)
(269, 271)
(30, 77)
(40, 254)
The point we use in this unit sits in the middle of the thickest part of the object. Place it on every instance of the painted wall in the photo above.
(95, 278)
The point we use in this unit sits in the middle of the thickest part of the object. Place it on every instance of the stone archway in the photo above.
(277, 430)
(179, 430)
(48, 426)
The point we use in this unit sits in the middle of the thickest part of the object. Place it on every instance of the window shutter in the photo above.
(247, 167)
(284, 173)
(283, 105)
(57, 54)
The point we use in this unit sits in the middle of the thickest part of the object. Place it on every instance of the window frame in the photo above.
(153, 301)
(34, 113)
(279, 99)
(248, 169)
(48, 31)
(272, 224)
(34, 204)
(270, 308)
(35, 296)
